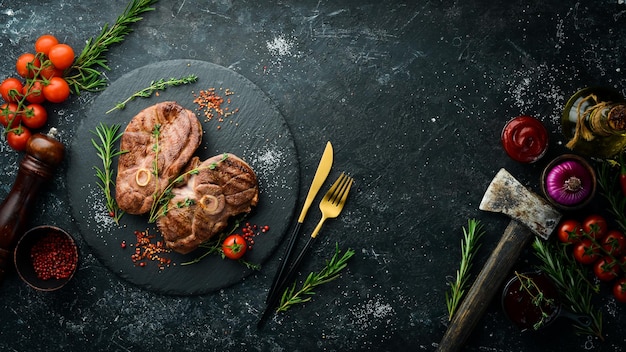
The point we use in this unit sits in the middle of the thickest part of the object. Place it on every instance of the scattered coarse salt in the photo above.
(280, 46)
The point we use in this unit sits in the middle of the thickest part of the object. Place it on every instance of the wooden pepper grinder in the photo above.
(43, 154)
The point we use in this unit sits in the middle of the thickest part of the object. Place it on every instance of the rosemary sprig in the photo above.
(329, 273)
(608, 180)
(85, 74)
(469, 245)
(154, 86)
(107, 136)
(571, 281)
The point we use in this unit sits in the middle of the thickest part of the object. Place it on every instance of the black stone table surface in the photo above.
(413, 95)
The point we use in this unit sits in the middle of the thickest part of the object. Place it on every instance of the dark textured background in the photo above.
(413, 96)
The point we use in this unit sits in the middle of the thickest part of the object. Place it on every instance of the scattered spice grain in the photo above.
(214, 106)
(148, 251)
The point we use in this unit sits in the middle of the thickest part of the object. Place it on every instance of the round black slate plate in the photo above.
(256, 132)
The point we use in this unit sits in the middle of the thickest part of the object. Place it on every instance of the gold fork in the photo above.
(331, 205)
(334, 200)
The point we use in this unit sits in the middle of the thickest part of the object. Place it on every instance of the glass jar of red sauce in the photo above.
(525, 139)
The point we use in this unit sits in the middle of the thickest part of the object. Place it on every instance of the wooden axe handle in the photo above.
(489, 281)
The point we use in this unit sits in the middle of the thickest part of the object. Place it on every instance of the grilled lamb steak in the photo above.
(224, 186)
(179, 135)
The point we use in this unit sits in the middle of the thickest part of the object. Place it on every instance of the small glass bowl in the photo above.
(524, 139)
(46, 240)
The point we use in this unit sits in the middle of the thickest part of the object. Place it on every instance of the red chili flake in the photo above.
(210, 103)
(54, 257)
(147, 251)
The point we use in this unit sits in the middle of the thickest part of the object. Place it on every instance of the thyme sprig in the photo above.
(329, 273)
(155, 86)
(538, 299)
(571, 281)
(85, 74)
(469, 246)
(106, 151)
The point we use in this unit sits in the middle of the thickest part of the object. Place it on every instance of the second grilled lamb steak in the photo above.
(224, 186)
(179, 135)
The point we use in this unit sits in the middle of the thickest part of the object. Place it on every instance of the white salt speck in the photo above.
(372, 313)
(280, 46)
(268, 160)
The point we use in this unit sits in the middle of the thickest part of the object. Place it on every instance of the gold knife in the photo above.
(323, 169)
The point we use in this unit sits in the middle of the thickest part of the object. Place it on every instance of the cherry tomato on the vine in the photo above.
(619, 290)
(596, 226)
(33, 91)
(614, 243)
(61, 56)
(34, 116)
(44, 43)
(234, 246)
(606, 269)
(9, 116)
(569, 231)
(17, 138)
(585, 252)
(27, 64)
(57, 90)
(11, 90)
(49, 71)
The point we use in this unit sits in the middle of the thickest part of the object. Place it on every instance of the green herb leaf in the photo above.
(105, 148)
(329, 273)
(469, 245)
(570, 277)
(85, 74)
(153, 87)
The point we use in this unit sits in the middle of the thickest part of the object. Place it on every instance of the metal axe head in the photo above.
(508, 196)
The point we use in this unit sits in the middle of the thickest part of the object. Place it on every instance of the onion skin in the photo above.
(525, 139)
(569, 183)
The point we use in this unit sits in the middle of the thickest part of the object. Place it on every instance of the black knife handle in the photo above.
(289, 276)
(278, 277)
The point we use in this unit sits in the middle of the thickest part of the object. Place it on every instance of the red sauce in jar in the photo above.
(525, 139)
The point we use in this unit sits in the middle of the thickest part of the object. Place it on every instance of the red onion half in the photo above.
(569, 181)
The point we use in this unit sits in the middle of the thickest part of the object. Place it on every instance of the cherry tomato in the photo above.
(57, 90)
(614, 243)
(596, 226)
(33, 91)
(9, 115)
(234, 246)
(44, 43)
(619, 290)
(49, 71)
(34, 116)
(61, 56)
(585, 252)
(11, 90)
(17, 138)
(27, 64)
(570, 231)
(606, 269)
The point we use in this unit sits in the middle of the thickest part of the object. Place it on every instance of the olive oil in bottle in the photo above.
(594, 121)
